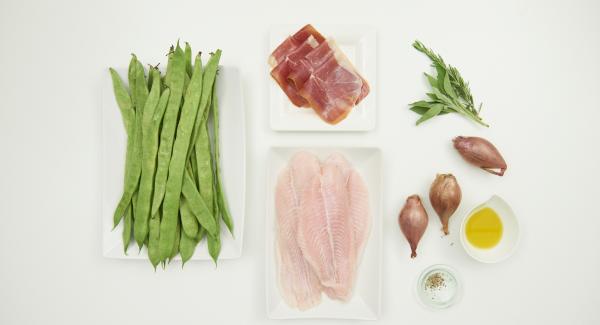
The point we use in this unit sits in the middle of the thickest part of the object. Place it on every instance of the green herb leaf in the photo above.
(420, 103)
(448, 87)
(432, 80)
(419, 109)
(433, 111)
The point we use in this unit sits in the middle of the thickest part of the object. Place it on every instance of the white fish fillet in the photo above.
(325, 232)
(323, 224)
(299, 285)
(358, 213)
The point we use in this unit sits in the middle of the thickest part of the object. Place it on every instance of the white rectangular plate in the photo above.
(365, 303)
(233, 165)
(359, 43)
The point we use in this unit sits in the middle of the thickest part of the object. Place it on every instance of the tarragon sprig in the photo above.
(450, 92)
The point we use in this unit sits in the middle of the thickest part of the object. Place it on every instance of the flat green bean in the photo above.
(123, 101)
(132, 157)
(209, 76)
(131, 77)
(198, 206)
(178, 160)
(140, 88)
(220, 192)
(204, 176)
(214, 240)
(174, 81)
(189, 224)
(127, 228)
(149, 150)
(175, 247)
(188, 59)
(187, 247)
(153, 238)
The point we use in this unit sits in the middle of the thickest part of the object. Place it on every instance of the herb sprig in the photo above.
(450, 92)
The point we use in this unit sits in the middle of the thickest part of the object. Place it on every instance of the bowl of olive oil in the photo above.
(490, 232)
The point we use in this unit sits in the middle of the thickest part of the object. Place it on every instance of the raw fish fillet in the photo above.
(359, 200)
(358, 213)
(299, 285)
(325, 233)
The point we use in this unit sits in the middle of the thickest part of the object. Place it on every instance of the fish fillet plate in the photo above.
(364, 302)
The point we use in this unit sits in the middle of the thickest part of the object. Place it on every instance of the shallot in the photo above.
(481, 153)
(413, 221)
(445, 196)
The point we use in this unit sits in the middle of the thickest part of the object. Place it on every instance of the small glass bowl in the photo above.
(439, 287)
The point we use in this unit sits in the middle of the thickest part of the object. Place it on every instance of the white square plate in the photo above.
(233, 164)
(359, 43)
(365, 304)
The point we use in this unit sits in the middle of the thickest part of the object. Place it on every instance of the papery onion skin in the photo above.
(445, 196)
(413, 221)
(481, 153)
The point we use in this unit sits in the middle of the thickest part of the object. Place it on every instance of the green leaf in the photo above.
(440, 96)
(419, 109)
(432, 80)
(433, 111)
(441, 74)
(432, 96)
(448, 87)
(421, 103)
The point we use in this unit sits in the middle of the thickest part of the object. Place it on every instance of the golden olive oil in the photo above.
(484, 228)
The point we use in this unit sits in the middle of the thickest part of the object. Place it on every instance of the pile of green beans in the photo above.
(172, 194)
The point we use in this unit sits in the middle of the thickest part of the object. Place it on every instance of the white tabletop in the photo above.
(534, 64)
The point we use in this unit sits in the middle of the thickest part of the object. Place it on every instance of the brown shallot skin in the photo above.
(413, 221)
(481, 153)
(445, 196)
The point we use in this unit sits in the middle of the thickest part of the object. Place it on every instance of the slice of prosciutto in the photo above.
(289, 64)
(292, 42)
(328, 81)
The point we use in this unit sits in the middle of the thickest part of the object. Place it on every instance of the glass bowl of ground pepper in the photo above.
(439, 286)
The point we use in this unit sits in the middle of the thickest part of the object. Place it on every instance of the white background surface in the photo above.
(535, 65)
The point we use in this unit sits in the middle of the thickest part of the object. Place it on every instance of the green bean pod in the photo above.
(127, 229)
(214, 240)
(132, 157)
(178, 161)
(175, 247)
(153, 237)
(149, 150)
(198, 206)
(189, 224)
(174, 81)
(204, 164)
(188, 60)
(123, 101)
(209, 76)
(220, 192)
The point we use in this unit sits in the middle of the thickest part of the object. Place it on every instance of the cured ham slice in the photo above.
(288, 64)
(329, 82)
(299, 285)
(292, 42)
